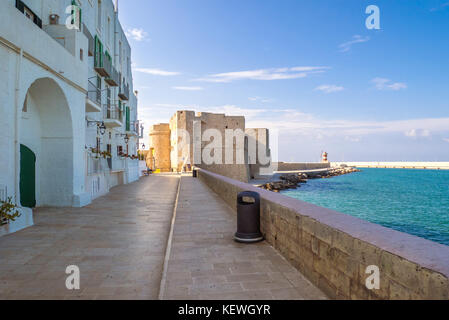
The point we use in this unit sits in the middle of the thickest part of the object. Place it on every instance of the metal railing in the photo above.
(134, 127)
(112, 113)
(94, 93)
(113, 78)
(123, 89)
(102, 64)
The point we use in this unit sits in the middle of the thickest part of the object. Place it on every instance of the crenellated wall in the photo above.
(333, 249)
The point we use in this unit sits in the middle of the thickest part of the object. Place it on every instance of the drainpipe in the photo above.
(16, 128)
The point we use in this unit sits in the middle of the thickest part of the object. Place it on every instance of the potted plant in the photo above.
(8, 211)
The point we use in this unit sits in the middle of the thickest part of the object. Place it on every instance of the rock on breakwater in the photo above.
(294, 180)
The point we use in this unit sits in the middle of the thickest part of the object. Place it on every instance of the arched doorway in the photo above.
(46, 131)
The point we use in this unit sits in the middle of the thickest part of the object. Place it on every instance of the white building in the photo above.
(65, 92)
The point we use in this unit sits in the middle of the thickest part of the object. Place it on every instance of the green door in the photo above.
(27, 177)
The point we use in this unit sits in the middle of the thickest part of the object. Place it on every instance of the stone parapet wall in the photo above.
(333, 249)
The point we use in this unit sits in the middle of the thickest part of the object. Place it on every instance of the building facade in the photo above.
(68, 114)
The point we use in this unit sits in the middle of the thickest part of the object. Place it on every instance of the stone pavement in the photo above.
(205, 262)
(118, 242)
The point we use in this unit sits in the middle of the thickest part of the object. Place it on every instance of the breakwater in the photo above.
(395, 165)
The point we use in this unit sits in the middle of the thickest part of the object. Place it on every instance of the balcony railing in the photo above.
(94, 93)
(102, 64)
(133, 128)
(113, 78)
(112, 113)
(123, 90)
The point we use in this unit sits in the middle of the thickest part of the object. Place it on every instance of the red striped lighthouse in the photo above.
(324, 157)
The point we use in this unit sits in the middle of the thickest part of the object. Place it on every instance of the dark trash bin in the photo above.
(248, 218)
(195, 173)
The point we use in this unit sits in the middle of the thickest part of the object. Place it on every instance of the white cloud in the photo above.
(329, 88)
(260, 99)
(414, 133)
(387, 84)
(446, 140)
(346, 46)
(188, 88)
(157, 72)
(137, 34)
(352, 139)
(264, 74)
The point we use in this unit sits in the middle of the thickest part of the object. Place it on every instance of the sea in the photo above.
(408, 200)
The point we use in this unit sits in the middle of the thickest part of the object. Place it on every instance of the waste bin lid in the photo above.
(248, 194)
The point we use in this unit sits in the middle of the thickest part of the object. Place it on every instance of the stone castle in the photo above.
(172, 147)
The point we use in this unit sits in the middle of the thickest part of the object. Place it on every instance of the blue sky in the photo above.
(309, 70)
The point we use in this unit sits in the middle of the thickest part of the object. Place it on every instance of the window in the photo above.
(29, 14)
(108, 31)
(119, 150)
(99, 16)
(120, 54)
(98, 144)
(81, 54)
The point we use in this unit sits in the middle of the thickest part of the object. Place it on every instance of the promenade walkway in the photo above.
(118, 242)
(205, 262)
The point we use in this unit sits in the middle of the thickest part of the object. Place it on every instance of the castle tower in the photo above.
(160, 143)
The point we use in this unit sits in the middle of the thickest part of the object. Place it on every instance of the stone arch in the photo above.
(46, 128)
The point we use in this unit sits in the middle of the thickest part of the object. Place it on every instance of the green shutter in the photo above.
(128, 126)
(98, 52)
(27, 177)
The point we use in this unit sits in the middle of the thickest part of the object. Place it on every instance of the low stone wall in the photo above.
(292, 166)
(333, 249)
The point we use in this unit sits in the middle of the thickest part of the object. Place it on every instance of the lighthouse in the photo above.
(324, 157)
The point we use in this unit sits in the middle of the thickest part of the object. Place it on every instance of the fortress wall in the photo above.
(333, 249)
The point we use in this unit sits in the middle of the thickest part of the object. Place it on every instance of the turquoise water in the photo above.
(407, 200)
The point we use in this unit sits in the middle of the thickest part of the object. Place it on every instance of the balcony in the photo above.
(133, 129)
(123, 91)
(113, 79)
(93, 98)
(112, 117)
(102, 64)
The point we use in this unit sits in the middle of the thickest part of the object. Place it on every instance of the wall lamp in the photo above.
(126, 137)
(100, 126)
